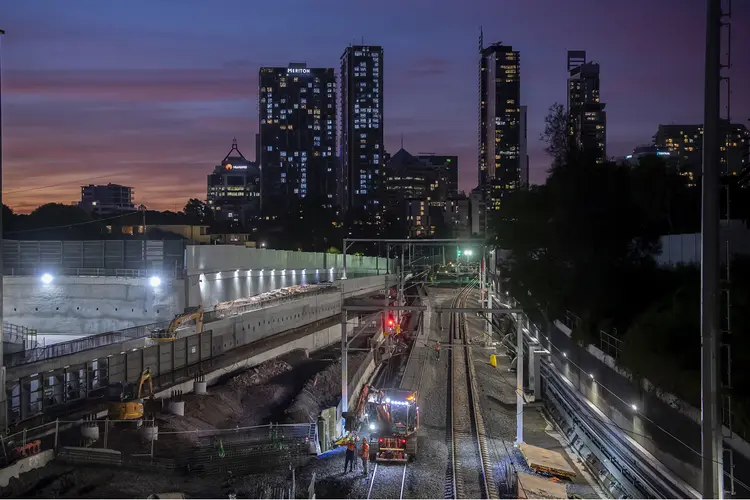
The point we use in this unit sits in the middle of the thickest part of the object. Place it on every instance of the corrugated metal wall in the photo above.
(19, 256)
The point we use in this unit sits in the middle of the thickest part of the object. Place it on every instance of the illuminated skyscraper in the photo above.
(233, 189)
(588, 120)
(362, 148)
(499, 122)
(297, 135)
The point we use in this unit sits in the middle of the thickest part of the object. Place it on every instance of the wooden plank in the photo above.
(547, 461)
(530, 486)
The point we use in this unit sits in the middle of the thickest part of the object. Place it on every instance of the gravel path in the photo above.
(497, 387)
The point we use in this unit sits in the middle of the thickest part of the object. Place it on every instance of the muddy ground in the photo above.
(292, 389)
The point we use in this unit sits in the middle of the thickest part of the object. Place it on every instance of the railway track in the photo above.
(470, 471)
(385, 480)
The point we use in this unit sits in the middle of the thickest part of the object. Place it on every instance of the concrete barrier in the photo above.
(27, 464)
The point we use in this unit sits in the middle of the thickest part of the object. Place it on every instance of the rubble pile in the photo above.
(259, 374)
(241, 401)
(321, 392)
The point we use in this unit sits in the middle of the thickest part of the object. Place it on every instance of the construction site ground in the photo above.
(426, 476)
(497, 387)
(290, 389)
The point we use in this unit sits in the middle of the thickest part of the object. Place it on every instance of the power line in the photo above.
(26, 190)
(69, 225)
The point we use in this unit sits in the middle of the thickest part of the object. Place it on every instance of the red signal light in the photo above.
(403, 441)
(381, 440)
(390, 322)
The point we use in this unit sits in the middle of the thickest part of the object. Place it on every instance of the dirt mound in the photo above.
(259, 375)
(238, 402)
(323, 391)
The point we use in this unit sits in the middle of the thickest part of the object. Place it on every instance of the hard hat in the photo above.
(364, 439)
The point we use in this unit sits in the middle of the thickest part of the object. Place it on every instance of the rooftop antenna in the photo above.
(481, 38)
(402, 140)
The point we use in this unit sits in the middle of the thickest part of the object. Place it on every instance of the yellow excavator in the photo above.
(124, 403)
(169, 334)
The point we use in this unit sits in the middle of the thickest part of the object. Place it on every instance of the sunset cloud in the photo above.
(143, 94)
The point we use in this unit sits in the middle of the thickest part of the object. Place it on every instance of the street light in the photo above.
(47, 278)
(468, 253)
(154, 281)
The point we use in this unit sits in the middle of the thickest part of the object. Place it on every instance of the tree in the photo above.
(198, 210)
(556, 135)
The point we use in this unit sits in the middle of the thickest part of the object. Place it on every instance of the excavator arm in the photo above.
(145, 377)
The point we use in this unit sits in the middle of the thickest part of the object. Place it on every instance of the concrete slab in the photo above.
(530, 486)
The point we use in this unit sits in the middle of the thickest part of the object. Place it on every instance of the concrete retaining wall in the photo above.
(313, 342)
(227, 333)
(219, 258)
(25, 465)
(89, 305)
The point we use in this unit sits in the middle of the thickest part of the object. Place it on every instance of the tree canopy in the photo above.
(586, 242)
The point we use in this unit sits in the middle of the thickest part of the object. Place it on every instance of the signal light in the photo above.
(381, 440)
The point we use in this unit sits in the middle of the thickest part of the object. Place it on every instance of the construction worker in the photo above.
(364, 453)
(351, 449)
(437, 350)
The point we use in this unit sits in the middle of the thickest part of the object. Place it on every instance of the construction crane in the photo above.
(169, 334)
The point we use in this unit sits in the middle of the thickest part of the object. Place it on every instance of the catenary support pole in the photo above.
(346, 244)
(344, 366)
(712, 467)
(3, 409)
(519, 379)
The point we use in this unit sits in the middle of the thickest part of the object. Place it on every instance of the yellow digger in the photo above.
(169, 334)
(124, 403)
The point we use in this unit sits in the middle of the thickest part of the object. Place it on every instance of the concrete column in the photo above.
(344, 366)
(25, 388)
(519, 379)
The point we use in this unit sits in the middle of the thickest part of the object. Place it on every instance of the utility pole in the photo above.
(712, 466)
(519, 379)
(3, 409)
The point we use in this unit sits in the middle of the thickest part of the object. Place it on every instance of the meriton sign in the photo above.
(299, 71)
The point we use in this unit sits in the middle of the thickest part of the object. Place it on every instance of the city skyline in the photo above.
(87, 100)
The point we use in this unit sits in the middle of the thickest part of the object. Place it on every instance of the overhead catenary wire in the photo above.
(69, 225)
(637, 412)
(75, 181)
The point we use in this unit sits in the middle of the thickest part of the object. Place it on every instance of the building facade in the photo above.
(685, 142)
(524, 148)
(362, 149)
(234, 188)
(446, 172)
(499, 162)
(297, 112)
(107, 199)
(587, 126)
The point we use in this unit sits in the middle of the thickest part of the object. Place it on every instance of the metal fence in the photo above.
(22, 257)
(610, 344)
(130, 443)
(73, 346)
(18, 334)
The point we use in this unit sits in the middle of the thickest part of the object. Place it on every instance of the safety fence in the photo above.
(142, 444)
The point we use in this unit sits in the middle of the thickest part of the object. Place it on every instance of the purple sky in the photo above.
(150, 94)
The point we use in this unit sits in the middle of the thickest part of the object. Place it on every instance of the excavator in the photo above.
(169, 334)
(124, 403)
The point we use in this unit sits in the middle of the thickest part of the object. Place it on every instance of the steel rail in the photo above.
(637, 475)
(466, 423)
